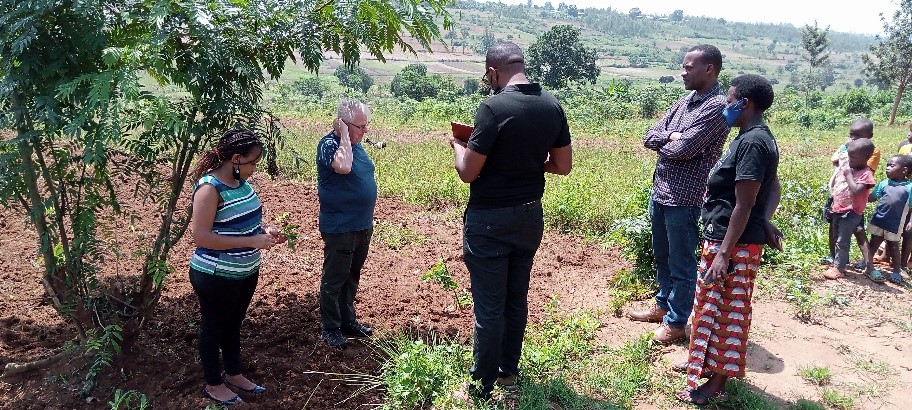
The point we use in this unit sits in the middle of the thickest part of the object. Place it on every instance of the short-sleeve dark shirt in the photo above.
(347, 201)
(515, 129)
(753, 156)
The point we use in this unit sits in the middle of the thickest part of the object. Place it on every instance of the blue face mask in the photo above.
(732, 112)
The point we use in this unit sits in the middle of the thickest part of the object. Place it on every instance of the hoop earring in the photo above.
(236, 172)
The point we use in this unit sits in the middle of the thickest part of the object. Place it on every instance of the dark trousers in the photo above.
(498, 248)
(343, 257)
(846, 223)
(223, 306)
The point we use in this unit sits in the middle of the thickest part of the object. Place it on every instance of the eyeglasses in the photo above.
(363, 128)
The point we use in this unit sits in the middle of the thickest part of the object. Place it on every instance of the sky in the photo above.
(856, 17)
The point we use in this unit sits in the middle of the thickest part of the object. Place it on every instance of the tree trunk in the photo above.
(904, 79)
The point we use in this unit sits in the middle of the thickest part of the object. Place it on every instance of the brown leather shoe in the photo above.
(653, 315)
(667, 335)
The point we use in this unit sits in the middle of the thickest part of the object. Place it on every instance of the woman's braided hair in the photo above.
(237, 141)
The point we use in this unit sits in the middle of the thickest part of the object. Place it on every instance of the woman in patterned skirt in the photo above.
(742, 194)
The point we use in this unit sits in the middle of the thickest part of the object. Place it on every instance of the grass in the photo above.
(603, 200)
(837, 400)
(395, 236)
(738, 395)
(819, 375)
(561, 367)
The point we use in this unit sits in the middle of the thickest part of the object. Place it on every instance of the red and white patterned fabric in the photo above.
(722, 315)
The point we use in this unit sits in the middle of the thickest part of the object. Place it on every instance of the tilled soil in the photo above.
(280, 338)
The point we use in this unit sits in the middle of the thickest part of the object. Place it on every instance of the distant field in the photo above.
(742, 54)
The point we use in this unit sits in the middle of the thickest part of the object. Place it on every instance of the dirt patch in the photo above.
(280, 337)
(861, 337)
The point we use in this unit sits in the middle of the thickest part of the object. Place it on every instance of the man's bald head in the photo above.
(504, 54)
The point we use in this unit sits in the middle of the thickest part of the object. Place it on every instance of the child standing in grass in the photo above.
(892, 196)
(850, 187)
(883, 254)
(860, 128)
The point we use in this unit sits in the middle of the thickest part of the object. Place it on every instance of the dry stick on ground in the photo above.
(14, 369)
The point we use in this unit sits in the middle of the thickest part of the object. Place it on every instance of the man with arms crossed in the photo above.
(688, 140)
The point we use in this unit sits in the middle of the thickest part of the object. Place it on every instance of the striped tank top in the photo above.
(239, 214)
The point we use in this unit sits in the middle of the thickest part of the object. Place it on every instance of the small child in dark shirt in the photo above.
(893, 199)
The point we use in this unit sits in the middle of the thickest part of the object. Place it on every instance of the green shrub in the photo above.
(416, 374)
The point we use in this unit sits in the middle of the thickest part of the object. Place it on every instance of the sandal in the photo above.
(860, 266)
(257, 389)
(875, 275)
(693, 396)
(230, 402)
(897, 278)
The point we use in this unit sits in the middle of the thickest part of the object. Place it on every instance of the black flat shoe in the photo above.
(257, 389)
(230, 402)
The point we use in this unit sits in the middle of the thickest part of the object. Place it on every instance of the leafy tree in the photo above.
(857, 101)
(558, 56)
(470, 86)
(677, 15)
(355, 77)
(635, 12)
(82, 121)
(816, 44)
(414, 82)
(310, 86)
(890, 61)
(665, 79)
(572, 11)
(487, 40)
(638, 61)
(464, 35)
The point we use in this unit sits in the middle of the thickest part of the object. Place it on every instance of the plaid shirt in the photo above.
(683, 165)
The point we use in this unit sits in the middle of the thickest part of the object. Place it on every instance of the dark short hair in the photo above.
(755, 88)
(865, 124)
(709, 54)
(905, 161)
(863, 146)
(503, 53)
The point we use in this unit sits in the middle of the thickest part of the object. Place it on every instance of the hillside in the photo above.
(640, 48)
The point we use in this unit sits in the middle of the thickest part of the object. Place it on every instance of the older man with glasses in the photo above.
(348, 194)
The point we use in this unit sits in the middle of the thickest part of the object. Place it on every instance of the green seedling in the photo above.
(440, 274)
(289, 229)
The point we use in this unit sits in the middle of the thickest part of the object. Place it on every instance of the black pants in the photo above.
(499, 246)
(223, 306)
(344, 255)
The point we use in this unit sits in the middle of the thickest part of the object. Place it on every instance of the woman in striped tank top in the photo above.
(225, 265)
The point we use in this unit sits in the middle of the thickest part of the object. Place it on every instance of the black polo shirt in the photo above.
(515, 129)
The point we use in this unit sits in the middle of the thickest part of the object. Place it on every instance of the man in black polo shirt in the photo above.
(520, 133)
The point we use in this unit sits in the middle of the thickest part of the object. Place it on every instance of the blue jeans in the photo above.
(499, 246)
(674, 243)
